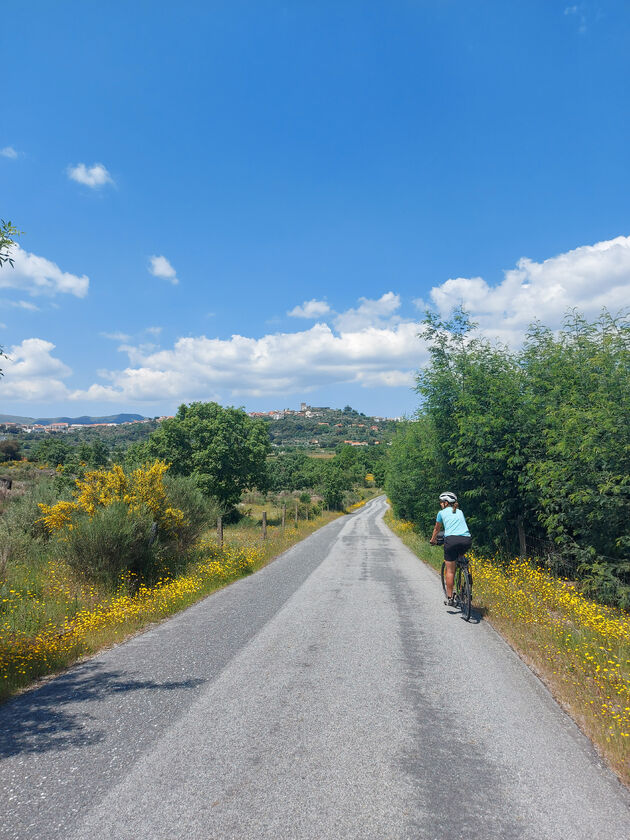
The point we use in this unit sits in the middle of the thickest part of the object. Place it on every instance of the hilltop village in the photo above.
(322, 427)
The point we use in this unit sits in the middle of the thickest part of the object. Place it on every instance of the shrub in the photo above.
(52, 450)
(22, 513)
(113, 541)
(142, 489)
(165, 516)
(9, 450)
(199, 511)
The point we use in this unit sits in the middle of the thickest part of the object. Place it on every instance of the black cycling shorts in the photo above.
(455, 546)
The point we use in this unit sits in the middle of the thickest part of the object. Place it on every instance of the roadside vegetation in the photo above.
(535, 443)
(52, 616)
(91, 551)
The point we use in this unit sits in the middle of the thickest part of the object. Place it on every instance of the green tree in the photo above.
(334, 484)
(95, 454)
(99, 457)
(222, 448)
(9, 450)
(52, 451)
(7, 241)
(84, 452)
(535, 443)
(416, 471)
(476, 397)
(579, 382)
(293, 471)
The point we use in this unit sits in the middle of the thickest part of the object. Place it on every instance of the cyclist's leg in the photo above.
(450, 562)
(449, 576)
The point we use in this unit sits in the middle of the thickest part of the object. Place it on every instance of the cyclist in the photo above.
(457, 539)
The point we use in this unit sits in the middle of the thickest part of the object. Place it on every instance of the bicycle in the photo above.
(462, 589)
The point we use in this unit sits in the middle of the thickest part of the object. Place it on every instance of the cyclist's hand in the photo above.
(433, 542)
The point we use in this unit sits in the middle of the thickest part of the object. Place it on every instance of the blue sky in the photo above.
(255, 202)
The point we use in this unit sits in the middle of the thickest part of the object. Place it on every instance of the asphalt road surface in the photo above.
(330, 695)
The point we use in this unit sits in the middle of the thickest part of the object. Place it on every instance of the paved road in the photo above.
(331, 695)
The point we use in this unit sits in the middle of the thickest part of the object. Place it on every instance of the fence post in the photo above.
(284, 515)
(220, 531)
(522, 542)
(264, 524)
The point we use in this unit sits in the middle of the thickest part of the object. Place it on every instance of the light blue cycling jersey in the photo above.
(454, 523)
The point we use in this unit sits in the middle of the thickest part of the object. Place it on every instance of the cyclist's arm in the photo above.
(436, 531)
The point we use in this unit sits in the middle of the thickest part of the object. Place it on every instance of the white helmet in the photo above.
(448, 497)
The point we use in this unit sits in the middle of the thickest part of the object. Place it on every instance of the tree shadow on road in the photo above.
(63, 713)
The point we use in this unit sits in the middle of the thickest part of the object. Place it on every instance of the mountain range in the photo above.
(82, 421)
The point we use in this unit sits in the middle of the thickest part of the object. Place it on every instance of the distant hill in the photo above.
(13, 418)
(327, 428)
(82, 421)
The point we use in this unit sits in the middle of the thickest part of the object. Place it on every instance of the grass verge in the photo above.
(54, 621)
(579, 648)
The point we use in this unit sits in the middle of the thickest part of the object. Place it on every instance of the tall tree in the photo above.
(417, 472)
(224, 449)
(536, 443)
(7, 241)
(579, 382)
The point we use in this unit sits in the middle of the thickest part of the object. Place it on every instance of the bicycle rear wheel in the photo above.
(464, 591)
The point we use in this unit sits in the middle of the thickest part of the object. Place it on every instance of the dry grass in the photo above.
(581, 649)
(248, 532)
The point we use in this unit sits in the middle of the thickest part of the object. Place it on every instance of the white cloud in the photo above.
(32, 373)
(589, 278)
(387, 378)
(370, 345)
(579, 13)
(138, 352)
(310, 309)
(95, 176)
(281, 363)
(116, 336)
(20, 304)
(37, 275)
(9, 152)
(369, 313)
(161, 267)
(154, 330)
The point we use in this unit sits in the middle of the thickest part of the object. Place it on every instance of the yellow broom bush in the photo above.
(142, 489)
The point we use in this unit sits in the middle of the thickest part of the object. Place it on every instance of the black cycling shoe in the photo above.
(450, 602)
